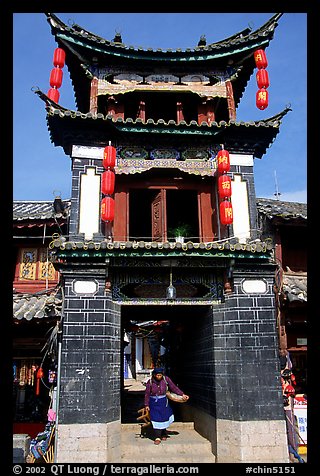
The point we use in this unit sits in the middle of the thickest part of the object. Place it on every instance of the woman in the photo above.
(156, 402)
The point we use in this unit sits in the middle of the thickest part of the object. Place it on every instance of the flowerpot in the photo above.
(179, 239)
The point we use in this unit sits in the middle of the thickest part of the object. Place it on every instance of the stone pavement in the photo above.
(184, 444)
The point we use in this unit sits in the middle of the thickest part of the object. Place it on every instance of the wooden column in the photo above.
(230, 101)
(205, 216)
(121, 216)
(206, 112)
(115, 108)
(94, 96)
(210, 112)
(142, 111)
(202, 112)
(180, 116)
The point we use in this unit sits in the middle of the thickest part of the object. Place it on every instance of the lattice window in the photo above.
(28, 264)
(35, 264)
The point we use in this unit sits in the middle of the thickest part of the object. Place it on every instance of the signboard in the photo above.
(300, 411)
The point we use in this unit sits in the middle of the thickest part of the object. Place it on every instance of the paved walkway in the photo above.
(184, 444)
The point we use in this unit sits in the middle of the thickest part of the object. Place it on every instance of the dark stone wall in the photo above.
(90, 360)
(231, 365)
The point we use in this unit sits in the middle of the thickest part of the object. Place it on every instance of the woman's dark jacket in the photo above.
(153, 387)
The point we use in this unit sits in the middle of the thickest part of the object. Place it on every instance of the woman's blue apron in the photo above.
(161, 414)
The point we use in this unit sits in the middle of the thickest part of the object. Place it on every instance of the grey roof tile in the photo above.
(29, 306)
(281, 209)
(37, 210)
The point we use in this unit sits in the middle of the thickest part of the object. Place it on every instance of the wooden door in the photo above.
(159, 216)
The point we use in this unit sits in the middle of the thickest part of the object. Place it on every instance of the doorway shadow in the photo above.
(131, 401)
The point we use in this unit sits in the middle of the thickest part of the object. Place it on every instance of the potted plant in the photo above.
(180, 231)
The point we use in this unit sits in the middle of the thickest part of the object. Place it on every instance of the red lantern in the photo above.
(260, 59)
(262, 78)
(109, 157)
(226, 214)
(224, 186)
(223, 161)
(107, 182)
(59, 57)
(262, 99)
(53, 94)
(39, 376)
(107, 209)
(56, 77)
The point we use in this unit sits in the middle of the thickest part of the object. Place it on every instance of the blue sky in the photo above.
(41, 170)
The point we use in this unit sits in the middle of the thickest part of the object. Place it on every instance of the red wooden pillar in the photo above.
(94, 96)
(210, 112)
(180, 116)
(115, 108)
(206, 112)
(121, 216)
(202, 112)
(142, 111)
(205, 216)
(230, 100)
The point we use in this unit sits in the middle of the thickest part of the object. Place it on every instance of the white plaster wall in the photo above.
(139, 345)
(89, 215)
(240, 205)
(241, 159)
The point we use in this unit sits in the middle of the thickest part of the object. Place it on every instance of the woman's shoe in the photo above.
(163, 438)
(157, 441)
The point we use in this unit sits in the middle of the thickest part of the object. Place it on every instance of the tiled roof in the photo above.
(40, 305)
(77, 33)
(295, 286)
(117, 247)
(37, 210)
(82, 46)
(248, 137)
(284, 210)
(56, 109)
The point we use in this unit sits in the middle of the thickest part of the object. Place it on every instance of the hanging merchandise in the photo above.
(107, 209)
(109, 157)
(289, 391)
(262, 99)
(52, 376)
(226, 214)
(223, 161)
(262, 78)
(260, 59)
(224, 186)
(107, 182)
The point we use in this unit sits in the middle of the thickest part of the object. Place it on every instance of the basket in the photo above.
(175, 398)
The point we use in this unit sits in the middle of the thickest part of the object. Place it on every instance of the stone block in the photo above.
(21, 444)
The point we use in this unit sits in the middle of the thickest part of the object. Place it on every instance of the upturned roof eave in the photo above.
(63, 125)
(77, 40)
(239, 42)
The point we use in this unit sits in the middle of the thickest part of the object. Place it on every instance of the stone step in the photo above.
(184, 445)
